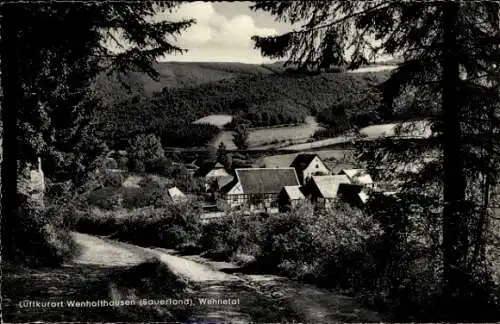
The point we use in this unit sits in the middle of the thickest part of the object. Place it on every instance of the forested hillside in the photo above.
(260, 95)
(177, 75)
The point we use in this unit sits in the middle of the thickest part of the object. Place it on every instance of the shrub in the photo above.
(172, 226)
(150, 195)
(123, 162)
(113, 179)
(286, 240)
(137, 166)
(163, 167)
(110, 163)
(228, 237)
(166, 227)
(107, 198)
(97, 222)
(213, 236)
(40, 239)
(58, 192)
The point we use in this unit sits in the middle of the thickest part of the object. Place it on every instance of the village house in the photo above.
(215, 175)
(353, 194)
(308, 165)
(358, 176)
(257, 188)
(290, 197)
(323, 190)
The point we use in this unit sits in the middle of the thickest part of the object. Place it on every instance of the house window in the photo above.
(317, 166)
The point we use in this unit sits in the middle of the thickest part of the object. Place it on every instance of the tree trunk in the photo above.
(455, 238)
(12, 96)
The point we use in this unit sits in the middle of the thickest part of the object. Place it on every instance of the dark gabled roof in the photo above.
(266, 180)
(225, 189)
(302, 161)
(206, 168)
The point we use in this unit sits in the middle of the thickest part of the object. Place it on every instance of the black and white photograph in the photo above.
(250, 161)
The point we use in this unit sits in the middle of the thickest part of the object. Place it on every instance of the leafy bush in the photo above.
(286, 240)
(233, 235)
(150, 195)
(163, 167)
(167, 227)
(113, 179)
(122, 162)
(41, 237)
(107, 198)
(137, 166)
(213, 237)
(171, 226)
(110, 163)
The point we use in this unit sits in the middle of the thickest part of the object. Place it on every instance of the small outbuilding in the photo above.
(176, 195)
(290, 197)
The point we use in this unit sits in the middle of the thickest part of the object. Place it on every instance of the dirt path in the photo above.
(110, 270)
(216, 295)
(256, 298)
(314, 305)
(251, 298)
(96, 251)
(102, 273)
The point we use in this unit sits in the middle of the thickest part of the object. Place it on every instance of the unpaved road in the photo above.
(236, 302)
(257, 295)
(239, 298)
(314, 305)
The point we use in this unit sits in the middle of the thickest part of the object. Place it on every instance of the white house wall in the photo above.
(311, 168)
(237, 189)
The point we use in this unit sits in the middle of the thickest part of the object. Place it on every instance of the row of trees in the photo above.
(451, 55)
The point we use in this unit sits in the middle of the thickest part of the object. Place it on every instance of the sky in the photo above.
(222, 32)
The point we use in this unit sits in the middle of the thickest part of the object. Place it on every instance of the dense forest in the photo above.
(258, 98)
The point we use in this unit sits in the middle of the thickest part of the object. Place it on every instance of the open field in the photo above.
(278, 137)
(219, 120)
(417, 129)
(272, 135)
(376, 68)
